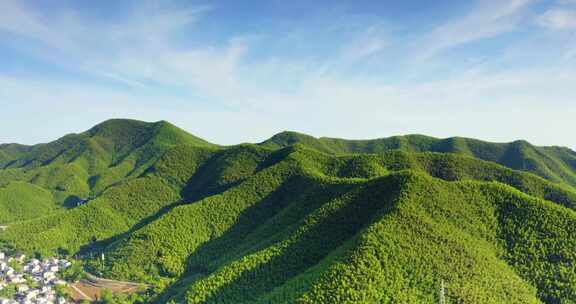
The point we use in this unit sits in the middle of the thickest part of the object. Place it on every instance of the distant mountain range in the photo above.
(299, 219)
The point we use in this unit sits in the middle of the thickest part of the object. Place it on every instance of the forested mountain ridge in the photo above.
(111, 140)
(298, 219)
(80, 166)
(555, 163)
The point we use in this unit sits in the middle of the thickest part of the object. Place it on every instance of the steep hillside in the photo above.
(299, 219)
(395, 239)
(294, 232)
(111, 140)
(554, 163)
(81, 166)
(23, 201)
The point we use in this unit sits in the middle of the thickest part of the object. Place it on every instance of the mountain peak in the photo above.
(117, 124)
(124, 131)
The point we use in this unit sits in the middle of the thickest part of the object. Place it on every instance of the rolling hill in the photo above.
(297, 219)
(78, 167)
(554, 163)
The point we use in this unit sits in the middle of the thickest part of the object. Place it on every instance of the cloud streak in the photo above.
(487, 19)
(559, 19)
(370, 42)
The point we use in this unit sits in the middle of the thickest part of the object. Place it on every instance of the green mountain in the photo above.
(298, 219)
(554, 163)
(77, 167)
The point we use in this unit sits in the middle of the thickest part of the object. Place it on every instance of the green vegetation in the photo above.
(114, 212)
(21, 201)
(61, 291)
(73, 273)
(15, 265)
(298, 219)
(118, 298)
(8, 292)
(80, 166)
(554, 163)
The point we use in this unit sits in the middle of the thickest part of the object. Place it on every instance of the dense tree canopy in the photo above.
(298, 219)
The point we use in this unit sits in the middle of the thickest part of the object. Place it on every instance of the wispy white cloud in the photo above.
(487, 19)
(368, 43)
(151, 23)
(559, 19)
(140, 51)
(134, 50)
(17, 19)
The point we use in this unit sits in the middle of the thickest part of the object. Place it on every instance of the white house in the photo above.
(33, 294)
(49, 275)
(65, 264)
(17, 279)
(23, 288)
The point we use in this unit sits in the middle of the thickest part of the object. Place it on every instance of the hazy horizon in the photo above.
(268, 137)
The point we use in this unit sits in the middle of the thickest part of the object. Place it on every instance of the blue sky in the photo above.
(241, 71)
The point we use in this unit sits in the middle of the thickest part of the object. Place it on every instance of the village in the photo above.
(31, 281)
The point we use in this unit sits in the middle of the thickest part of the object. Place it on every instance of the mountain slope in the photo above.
(80, 166)
(22, 201)
(397, 257)
(554, 163)
(284, 222)
(285, 232)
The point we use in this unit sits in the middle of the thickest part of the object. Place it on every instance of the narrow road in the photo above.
(94, 280)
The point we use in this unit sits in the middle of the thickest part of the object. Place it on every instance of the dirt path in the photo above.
(82, 296)
(110, 283)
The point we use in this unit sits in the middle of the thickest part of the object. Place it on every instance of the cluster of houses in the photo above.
(34, 281)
